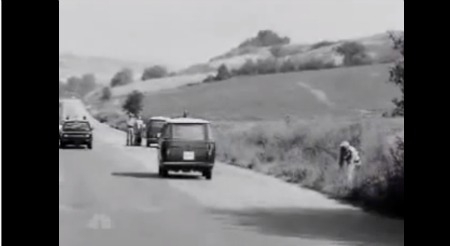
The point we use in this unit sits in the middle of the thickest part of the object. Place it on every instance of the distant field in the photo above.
(336, 92)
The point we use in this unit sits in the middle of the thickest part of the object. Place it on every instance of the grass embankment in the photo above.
(306, 153)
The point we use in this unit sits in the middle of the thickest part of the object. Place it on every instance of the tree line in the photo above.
(78, 86)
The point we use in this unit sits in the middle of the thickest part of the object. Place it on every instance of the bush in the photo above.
(315, 64)
(134, 103)
(154, 72)
(249, 68)
(277, 51)
(354, 54)
(223, 73)
(288, 66)
(106, 94)
(265, 38)
(397, 75)
(267, 66)
(78, 86)
(122, 78)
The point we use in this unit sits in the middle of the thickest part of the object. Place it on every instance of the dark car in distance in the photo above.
(154, 127)
(76, 133)
(187, 145)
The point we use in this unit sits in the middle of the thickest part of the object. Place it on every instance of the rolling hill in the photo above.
(352, 91)
(379, 49)
(103, 68)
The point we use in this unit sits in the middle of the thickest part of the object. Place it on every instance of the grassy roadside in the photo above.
(305, 153)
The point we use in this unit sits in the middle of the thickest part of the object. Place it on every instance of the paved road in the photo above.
(112, 196)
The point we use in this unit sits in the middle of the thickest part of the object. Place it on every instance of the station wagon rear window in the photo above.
(193, 132)
(157, 124)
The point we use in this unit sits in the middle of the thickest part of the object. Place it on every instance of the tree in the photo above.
(134, 103)
(87, 84)
(265, 38)
(277, 51)
(122, 78)
(267, 66)
(354, 53)
(397, 74)
(106, 94)
(73, 84)
(288, 66)
(62, 89)
(249, 68)
(154, 72)
(223, 73)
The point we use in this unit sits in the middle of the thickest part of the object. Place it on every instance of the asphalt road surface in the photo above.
(112, 195)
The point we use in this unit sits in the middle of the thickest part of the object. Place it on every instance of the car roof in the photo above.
(159, 118)
(76, 121)
(187, 121)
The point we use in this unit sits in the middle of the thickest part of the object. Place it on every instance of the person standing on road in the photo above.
(139, 122)
(131, 123)
(139, 129)
(349, 159)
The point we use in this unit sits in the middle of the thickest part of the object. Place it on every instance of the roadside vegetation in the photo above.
(306, 153)
(77, 86)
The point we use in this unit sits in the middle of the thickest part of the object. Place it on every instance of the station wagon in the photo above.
(187, 145)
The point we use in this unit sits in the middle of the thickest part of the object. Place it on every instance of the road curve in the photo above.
(112, 196)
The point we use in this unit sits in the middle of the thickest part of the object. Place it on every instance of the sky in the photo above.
(179, 33)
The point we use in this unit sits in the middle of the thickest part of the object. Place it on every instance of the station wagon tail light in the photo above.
(210, 149)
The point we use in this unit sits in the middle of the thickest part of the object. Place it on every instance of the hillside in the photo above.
(378, 48)
(103, 68)
(337, 92)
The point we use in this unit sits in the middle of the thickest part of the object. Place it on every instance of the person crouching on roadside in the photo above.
(349, 159)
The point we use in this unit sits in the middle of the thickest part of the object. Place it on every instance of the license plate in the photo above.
(189, 156)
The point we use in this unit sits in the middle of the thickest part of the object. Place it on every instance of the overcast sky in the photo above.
(181, 32)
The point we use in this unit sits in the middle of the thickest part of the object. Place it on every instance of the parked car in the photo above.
(187, 145)
(76, 133)
(154, 127)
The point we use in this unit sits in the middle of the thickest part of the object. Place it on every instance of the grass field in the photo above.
(336, 92)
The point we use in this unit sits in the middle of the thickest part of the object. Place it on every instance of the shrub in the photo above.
(122, 78)
(397, 75)
(354, 54)
(288, 66)
(106, 94)
(249, 68)
(134, 103)
(265, 38)
(78, 86)
(154, 72)
(315, 64)
(223, 73)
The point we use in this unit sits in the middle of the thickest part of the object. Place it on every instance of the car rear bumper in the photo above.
(187, 166)
(76, 141)
(152, 140)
